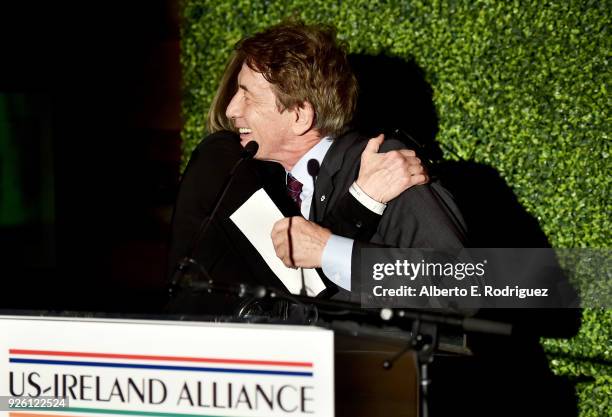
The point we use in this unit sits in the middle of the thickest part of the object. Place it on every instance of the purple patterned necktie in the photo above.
(294, 189)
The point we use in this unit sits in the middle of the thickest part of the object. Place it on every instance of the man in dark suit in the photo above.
(290, 88)
(222, 251)
(423, 216)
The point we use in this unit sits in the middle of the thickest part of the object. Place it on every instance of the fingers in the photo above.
(406, 152)
(401, 155)
(404, 168)
(419, 179)
(280, 228)
(280, 240)
(397, 164)
(374, 144)
(283, 235)
(415, 169)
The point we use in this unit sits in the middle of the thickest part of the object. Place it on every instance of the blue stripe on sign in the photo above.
(161, 367)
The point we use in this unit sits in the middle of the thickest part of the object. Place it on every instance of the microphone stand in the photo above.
(313, 171)
(248, 152)
(339, 308)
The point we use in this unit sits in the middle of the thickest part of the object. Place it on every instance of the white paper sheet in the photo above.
(255, 219)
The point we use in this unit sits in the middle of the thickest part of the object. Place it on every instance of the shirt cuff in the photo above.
(336, 260)
(367, 201)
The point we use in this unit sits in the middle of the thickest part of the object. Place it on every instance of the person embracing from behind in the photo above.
(290, 89)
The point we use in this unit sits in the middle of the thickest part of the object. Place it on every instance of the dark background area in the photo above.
(91, 149)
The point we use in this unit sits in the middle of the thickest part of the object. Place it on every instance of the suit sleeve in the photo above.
(424, 216)
(349, 218)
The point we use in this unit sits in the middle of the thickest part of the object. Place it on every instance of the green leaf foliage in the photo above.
(520, 86)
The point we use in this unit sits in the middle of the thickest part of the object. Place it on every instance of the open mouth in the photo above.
(244, 135)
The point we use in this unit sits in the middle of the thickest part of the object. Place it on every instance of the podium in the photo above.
(365, 388)
(118, 366)
(184, 366)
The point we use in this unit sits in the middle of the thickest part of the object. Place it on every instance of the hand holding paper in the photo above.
(299, 242)
(256, 219)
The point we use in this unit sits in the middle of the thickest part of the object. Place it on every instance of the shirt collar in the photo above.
(300, 169)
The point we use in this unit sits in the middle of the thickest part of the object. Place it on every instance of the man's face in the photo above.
(255, 114)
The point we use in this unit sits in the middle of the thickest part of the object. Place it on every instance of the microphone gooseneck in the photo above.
(249, 150)
(313, 171)
(247, 153)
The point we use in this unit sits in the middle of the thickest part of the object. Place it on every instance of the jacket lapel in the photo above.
(325, 185)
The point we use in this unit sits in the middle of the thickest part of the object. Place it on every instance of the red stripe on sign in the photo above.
(21, 414)
(156, 358)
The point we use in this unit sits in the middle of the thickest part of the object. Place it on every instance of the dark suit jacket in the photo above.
(223, 251)
(422, 217)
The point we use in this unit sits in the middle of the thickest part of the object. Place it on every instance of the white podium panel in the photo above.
(163, 368)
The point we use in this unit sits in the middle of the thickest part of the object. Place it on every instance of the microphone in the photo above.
(247, 153)
(313, 167)
(313, 171)
(249, 150)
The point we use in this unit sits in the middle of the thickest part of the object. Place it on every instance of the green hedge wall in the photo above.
(520, 86)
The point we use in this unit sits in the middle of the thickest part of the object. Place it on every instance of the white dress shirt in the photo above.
(336, 258)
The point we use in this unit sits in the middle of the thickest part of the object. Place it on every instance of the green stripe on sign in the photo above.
(134, 413)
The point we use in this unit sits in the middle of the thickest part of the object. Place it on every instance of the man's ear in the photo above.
(304, 118)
